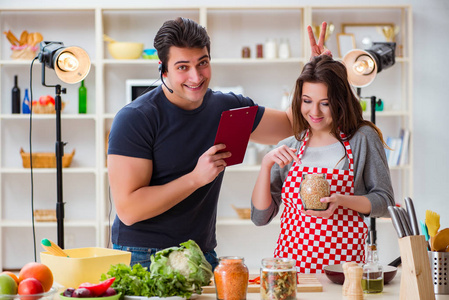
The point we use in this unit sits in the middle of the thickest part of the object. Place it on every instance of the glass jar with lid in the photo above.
(278, 279)
(314, 187)
(231, 278)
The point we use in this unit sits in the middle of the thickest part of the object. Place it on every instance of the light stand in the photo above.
(362, 67)
(71, 65)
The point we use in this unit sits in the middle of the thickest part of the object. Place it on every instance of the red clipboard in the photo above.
(234, 131)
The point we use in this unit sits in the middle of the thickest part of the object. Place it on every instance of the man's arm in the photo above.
(136, 201)
(274, 126)
(277, 125)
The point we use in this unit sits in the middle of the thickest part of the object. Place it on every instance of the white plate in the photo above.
(194, 296)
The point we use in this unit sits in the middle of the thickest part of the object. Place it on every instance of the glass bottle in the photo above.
(373, 275)
(15, 97)
(82, 99)
(284, 49)
(278, 279)
(26, 105)
(231, 278)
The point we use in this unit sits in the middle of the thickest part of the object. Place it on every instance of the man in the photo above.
(164, 171)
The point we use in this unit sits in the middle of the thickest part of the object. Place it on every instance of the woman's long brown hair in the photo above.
(345, 108)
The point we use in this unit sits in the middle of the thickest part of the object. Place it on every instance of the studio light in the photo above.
(71, 65)
(363, 65)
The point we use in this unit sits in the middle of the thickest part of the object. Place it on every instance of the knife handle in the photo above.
(405, 221)
(412, 215)
(395, 219)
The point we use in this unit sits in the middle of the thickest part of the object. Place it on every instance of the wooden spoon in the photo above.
(440, 241)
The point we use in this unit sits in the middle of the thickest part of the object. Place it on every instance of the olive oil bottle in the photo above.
(373, 275)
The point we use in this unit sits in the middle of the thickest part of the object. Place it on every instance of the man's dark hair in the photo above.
(182, 33)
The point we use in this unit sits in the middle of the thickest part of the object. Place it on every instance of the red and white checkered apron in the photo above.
(316, 242)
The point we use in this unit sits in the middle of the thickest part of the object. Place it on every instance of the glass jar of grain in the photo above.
(278, 279)
(314, 187)
(231, 278)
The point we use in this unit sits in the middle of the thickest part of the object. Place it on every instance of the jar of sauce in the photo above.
(278, 279)
(231, 278)
(314, 187)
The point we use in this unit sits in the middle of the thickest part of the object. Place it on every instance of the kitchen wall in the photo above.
(431, 104)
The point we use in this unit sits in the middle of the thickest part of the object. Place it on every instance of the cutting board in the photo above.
(307, 283)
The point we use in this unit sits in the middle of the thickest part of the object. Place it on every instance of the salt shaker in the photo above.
(355, 291)
(346, 266)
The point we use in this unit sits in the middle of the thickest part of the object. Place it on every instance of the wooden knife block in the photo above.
(416, 279)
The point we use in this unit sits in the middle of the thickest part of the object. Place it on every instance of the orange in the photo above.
(12, 275)
(38, 271)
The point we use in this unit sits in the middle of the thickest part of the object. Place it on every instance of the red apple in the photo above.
(30, 286)
(45, 100)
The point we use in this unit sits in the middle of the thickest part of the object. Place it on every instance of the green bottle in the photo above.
(82, 99)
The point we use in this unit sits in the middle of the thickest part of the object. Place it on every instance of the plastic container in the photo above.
(83, 264)
(278, 279)
(231, 278)
(314, 187)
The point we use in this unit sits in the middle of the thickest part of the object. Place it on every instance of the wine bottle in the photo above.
(82, 99)
(26, 103)
(15, 97)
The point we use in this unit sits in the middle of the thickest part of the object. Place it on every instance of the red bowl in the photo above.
(336, 275)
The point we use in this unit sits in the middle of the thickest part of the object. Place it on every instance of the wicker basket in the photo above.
(243, 213)
(45, 160)
(46, 109)
(45, 215)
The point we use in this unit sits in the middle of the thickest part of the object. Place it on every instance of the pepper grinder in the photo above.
(355, 291)
(346, 266)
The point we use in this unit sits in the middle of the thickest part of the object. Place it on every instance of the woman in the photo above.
(331, 137)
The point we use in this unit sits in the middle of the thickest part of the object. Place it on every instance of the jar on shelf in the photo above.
(314, 187)
(278, 279)
(231, 278)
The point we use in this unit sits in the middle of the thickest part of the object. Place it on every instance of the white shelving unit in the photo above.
(88, 204)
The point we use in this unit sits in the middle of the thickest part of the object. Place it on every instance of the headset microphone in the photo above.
(161, 71)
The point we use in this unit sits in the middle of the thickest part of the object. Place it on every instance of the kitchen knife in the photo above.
(412, 215)
(405, 221)
(395, 219)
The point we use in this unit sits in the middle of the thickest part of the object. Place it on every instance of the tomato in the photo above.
(98, 289)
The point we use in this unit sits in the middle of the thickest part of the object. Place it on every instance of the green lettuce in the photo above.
(175, 271)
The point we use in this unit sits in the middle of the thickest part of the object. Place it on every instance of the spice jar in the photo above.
(231, 278)
(278, 279)
(314, 187)
(246, 52)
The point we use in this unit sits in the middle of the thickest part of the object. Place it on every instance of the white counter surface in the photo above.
(333, 291)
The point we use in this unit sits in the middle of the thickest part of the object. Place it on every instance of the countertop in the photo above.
(332, 290)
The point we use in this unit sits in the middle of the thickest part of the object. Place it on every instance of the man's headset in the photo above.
(162, 71)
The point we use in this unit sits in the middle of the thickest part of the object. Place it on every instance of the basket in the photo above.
(243, 213)
(24, 52)
(45, 159)
(46, 109)
(45, 215)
